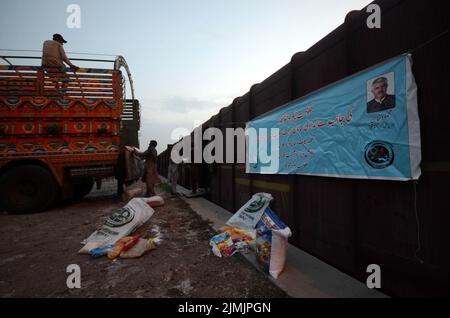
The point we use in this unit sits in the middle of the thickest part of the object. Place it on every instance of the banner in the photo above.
(365, 127)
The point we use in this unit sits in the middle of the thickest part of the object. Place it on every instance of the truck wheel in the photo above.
(27, 189)
(82, 189)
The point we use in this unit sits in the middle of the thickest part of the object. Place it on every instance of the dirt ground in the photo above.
(36, 249)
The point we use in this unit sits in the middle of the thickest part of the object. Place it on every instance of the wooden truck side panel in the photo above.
(68, 122)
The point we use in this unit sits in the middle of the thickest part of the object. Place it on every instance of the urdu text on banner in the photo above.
(364, 127)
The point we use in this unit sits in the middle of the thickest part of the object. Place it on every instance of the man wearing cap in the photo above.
(53, 54)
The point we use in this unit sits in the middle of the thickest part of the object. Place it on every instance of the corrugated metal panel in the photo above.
(241, 110)
(321, 65)
(226, 170)
(273, 92)
(241, 113)
(241, 186)
(325, 220)
(216, 171)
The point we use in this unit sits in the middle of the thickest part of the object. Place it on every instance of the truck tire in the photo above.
(82, 189)
(27, 189)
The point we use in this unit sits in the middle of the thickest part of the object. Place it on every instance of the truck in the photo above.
(62, 131)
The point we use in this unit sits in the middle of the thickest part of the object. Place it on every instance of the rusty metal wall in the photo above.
(241, 115)
(163, 163)
(216, 193)
(401, 226)
(226, 170)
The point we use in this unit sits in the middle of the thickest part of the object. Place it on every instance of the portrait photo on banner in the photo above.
(381, 93)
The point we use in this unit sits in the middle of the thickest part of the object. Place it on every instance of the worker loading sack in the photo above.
(134, 166)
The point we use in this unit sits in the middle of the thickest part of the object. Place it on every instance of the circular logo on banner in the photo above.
(379, 154)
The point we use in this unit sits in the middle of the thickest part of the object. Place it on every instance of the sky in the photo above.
(188, 58)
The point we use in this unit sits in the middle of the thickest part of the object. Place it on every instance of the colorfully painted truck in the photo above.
(60, 131)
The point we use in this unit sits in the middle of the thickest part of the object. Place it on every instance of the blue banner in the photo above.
(365, 126)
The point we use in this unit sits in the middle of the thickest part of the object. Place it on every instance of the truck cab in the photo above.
(61, 130)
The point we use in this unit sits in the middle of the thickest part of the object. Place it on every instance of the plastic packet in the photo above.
(101, 251)
(222, 245)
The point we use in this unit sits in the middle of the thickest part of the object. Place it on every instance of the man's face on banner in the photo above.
(379, 90)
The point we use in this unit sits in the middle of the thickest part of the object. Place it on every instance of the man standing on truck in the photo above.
(53, 54)
(150, 177)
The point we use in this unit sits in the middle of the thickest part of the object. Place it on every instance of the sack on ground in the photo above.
(123, 245)
(101, 251)
(238, 234)
(154, 201)
(86, 249)
(250, 213)
(243, 239)
(142, 247)
(271, 243)
(121, 223)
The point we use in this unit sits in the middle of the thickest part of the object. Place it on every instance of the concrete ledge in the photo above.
(304, 275)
